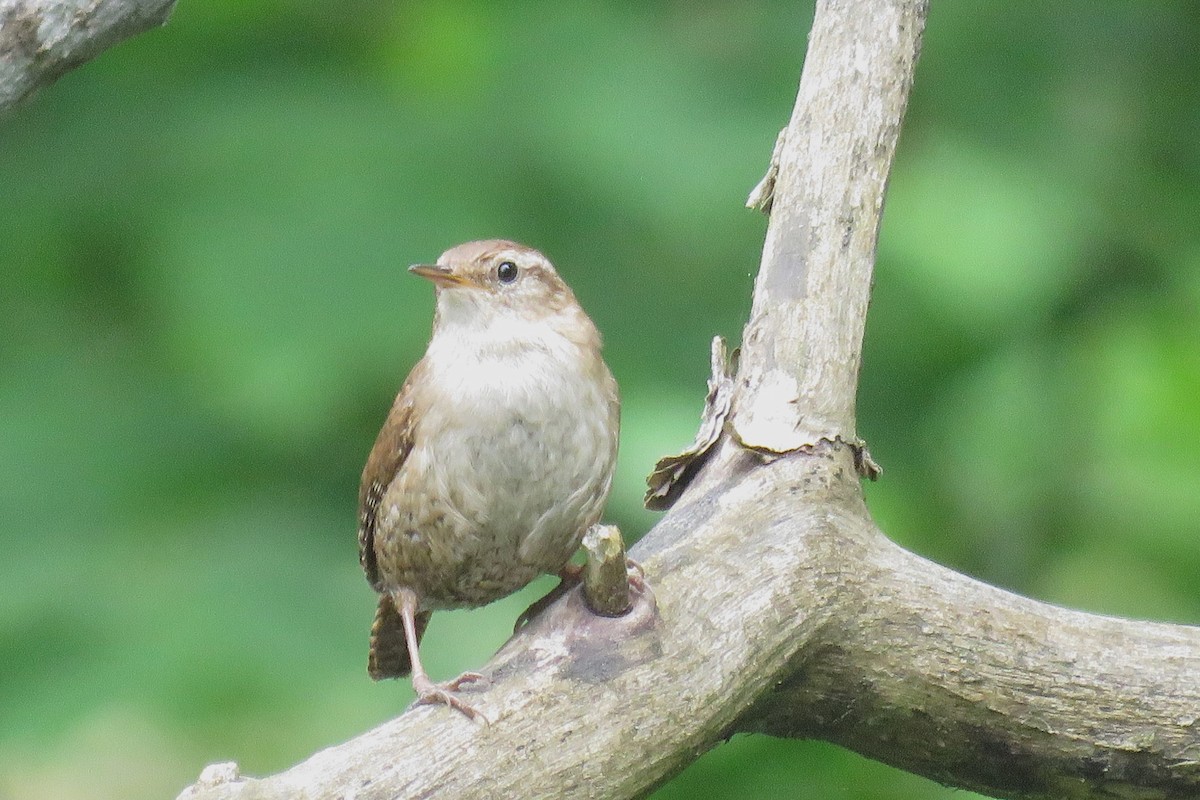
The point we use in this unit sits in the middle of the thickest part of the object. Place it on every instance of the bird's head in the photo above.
(494, 280)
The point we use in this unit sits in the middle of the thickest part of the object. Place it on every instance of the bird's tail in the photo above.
(389, 652)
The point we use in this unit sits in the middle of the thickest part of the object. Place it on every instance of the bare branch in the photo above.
(42, 39)
(777, 606)
(978, 688)
(782, 609)
(802, 348)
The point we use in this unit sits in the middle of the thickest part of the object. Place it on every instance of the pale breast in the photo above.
(512, 461)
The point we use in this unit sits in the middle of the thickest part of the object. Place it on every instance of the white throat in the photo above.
(472, 331)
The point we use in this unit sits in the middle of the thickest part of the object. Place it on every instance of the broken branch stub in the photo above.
(605, 577)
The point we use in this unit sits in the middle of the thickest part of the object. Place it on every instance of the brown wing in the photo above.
(392, 447)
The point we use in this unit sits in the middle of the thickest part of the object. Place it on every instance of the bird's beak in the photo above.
(442, 276)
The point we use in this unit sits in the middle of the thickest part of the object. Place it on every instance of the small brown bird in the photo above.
(496, 457)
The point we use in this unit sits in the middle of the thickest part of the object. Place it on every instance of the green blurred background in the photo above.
(205, 315)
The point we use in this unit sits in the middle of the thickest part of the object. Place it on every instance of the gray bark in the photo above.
(774, 604)
(42, 39)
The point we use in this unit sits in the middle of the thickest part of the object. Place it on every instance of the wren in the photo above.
(496, 457)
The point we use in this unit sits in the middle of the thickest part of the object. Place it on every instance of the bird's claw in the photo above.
(637, 575)
(465, 678)
(430, 693)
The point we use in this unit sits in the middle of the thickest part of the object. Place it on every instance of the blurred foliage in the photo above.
(204, 315)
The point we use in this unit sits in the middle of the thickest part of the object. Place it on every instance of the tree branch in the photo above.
(975, 687)
(42, 39)
(772, 602)
(802, 348)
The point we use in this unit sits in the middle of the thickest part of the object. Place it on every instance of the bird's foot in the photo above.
(465, 678)
(637, 575)
(430, 693)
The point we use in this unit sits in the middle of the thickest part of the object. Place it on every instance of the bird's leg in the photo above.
(428, 691)
(568, 576)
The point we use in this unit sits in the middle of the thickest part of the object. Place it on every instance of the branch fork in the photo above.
(778, 606)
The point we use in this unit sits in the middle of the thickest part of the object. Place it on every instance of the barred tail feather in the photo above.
(389, 652)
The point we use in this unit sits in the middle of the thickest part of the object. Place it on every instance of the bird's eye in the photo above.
(507, 272)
